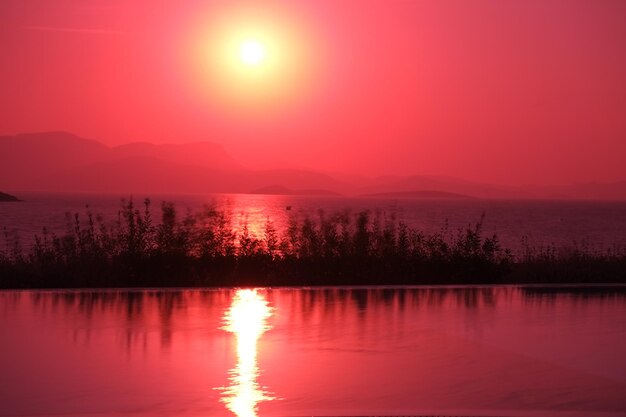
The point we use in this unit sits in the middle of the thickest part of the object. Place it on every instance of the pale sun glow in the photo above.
(247, 319)
(252, 52)
(251, 61)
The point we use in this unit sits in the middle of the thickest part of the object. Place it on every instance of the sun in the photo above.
(251, 52)
(252, 61)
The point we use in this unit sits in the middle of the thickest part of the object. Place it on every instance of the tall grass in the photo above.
(342, 248)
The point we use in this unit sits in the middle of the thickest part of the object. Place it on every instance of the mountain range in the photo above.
(61, 161)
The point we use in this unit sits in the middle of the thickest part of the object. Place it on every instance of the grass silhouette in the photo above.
(343, 248)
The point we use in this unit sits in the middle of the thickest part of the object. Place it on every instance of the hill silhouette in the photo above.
(425, 194)
(280, 190)
(61, 161)
(4, 197)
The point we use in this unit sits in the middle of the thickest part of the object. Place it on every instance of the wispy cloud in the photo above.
(76, 30)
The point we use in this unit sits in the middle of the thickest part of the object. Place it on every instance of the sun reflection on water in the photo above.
(247, 319)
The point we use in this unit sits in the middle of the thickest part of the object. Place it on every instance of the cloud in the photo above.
(76, 30)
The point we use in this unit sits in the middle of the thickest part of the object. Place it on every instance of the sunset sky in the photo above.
(517, 92)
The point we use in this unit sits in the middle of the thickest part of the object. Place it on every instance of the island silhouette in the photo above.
(4, 197)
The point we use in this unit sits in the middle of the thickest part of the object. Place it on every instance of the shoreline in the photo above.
(564, 287)
(205, 249)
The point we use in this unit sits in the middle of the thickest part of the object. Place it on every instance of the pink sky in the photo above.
(520, 92)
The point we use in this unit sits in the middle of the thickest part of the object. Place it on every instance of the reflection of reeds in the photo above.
(203, 249)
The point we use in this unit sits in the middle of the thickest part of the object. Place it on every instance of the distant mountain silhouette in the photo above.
(425, 194)
(205, 154)
(61, 161)
(280, 190)
(587, 191)
(4, 197)
(25, 159)
(442, 184)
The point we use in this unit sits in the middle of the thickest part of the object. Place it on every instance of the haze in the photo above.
(525, 92)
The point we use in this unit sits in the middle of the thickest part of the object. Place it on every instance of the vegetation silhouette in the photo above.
(343, 248)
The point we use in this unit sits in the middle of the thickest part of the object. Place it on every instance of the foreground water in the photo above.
(340, 351)
(594, 224)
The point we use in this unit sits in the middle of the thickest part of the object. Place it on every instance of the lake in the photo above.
(485, 350)
(597, 225)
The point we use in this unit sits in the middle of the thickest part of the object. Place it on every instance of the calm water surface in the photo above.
(597, 225)
(287, 352)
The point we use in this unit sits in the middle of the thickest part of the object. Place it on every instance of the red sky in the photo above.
(519, 92)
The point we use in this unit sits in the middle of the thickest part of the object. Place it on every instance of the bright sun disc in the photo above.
(251, 61)
(251, 52)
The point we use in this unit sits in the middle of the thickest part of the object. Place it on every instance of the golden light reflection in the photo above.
(247, 319)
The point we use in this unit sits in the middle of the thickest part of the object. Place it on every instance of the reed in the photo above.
(342, 248)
